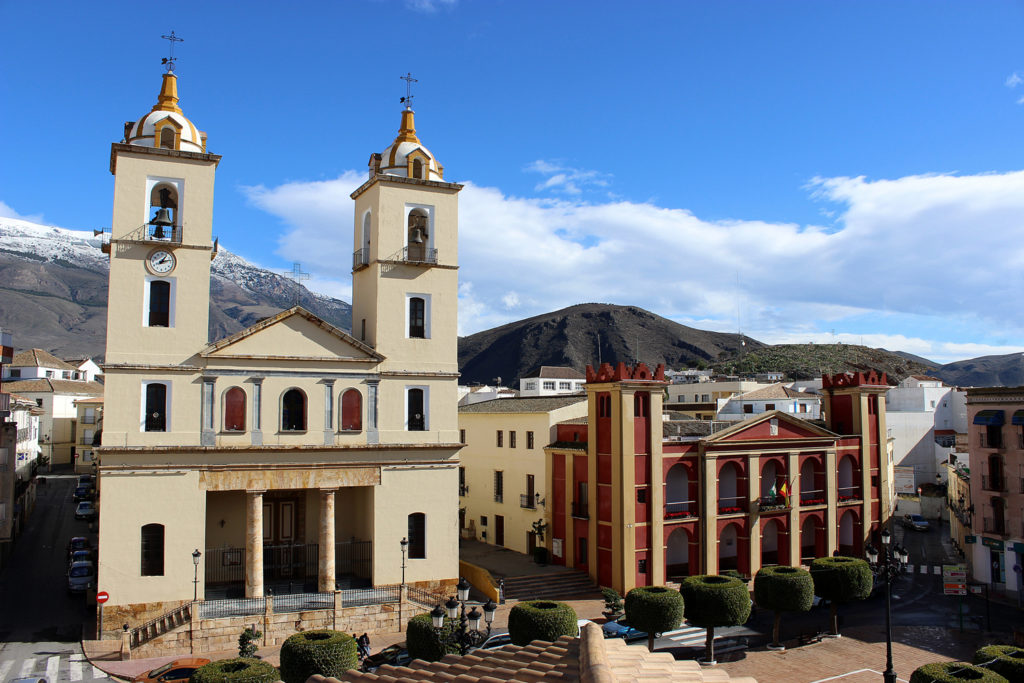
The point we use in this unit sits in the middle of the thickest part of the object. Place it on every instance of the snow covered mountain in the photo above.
(53, 291)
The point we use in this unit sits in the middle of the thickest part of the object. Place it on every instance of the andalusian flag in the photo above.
(771, 492)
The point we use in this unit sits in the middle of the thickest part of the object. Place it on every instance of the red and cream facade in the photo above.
(631, 508)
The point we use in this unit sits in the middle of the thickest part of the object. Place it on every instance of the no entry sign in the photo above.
(102, 597)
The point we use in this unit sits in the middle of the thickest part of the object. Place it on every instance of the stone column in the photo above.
(325, 582)
(254, 544)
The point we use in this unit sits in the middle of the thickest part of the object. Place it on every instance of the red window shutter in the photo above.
(234, 410)
(351, 411)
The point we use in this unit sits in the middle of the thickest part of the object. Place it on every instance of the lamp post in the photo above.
(889, 565)
(405, 546)
(468, 633)
(195, 576)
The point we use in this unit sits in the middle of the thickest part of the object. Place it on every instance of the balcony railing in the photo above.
(769, 503)
(812, 497)
(88, 419)
(154, 233)
(850, 494)
(580, 511)
(680, 509)
(360, 258)
(419, 255)
(528, 502)
(731, 505)
(994, 525)
(993, 483)
(463, 489)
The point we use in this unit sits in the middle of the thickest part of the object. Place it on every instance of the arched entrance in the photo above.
(728, 548)
(774, 543)
(677, 554)
(812, 544)
(850, 542)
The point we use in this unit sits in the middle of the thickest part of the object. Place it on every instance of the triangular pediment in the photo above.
(296, 335)
(759, 428)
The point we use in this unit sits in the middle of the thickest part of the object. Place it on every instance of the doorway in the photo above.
(499, 530)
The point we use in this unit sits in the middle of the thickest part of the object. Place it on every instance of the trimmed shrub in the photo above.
(240, 670)
(783, 589)
(1009, 660)
(423, 642)
(654, 609)
(954, 672)
(540, 620)
(841, 579)
(711, 600)
(247, 642)
(328, 653)
(612, 601)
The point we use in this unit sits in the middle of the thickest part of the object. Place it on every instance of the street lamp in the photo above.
(468, 633)
(405, 547)
(889, 564)
(195, 576)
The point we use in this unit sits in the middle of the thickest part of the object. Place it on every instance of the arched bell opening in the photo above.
(163, 209)
(418, 235)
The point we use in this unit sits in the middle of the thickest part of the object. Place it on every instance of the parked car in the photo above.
(580, 623)
(84, 493)
(87, 480)
(496, 640)
(395, 655)
(81, 576)
(85, 510)
(620, 629)
(177, 671)
(915, 522)
(80, 556)
(78, 543)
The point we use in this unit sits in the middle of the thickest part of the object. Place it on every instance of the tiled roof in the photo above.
(926, 378)
(38, 358)
(775, 391)
(554, 372)
(523, 404)
(575, 421)
(55, 386)
(588, 658)
(91, 399)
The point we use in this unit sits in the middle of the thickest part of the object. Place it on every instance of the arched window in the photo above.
(417, 168)
(417, 317)
(152, 546)
(156, 407)
(234, 410)
(417, 536)
(417, 418)
(167, 137)
(351, 411)
(293, 411)
(418, 235)
(159, 303)
(163, 205)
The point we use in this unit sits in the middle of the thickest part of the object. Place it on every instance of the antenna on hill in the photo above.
(170, 58)
(297, 275)
(409, 80)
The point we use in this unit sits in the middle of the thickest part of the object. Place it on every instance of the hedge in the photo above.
(328, 653)
(711, 600)
(1009, 660)
(841, 579)
(654, 609)
(540, 620)
(423, 642)
(239, 670)
(954, 672)
(784, 589)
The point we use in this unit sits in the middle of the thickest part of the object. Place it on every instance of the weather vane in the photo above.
(169, 60)
(409, 80)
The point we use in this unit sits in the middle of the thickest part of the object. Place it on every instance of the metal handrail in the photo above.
(361, 257)
(526, 501)
(991, 482)
(143, 634)
(416, 255)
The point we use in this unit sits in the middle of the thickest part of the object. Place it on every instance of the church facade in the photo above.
(291, 456)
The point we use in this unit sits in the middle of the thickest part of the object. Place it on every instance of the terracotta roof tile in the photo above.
(39, 358)
(554, 372)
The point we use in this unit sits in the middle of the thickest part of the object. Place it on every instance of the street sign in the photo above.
(969, 539)
(976, 590)
(957, 572)
(993, 543)
(954, 589)
(102, 597)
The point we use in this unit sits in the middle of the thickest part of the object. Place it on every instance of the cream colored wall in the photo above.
(128, 339)
(481, 457)
(125, 402)
(354, 513)
(130, 500)
(403, 491)
(442, 399)
(294, 336)
(230, 507)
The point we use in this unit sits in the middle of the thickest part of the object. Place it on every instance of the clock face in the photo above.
(161, 262)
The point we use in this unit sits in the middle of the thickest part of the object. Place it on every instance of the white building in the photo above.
(57, 423)
(923, 417)
(709, 392)
(40, 364)
(25, 414)
(551, 380)
(484, 392)
(88, 370)
(801, 404)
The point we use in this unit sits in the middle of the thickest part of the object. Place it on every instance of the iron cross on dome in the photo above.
(169, 60)
(409, 80)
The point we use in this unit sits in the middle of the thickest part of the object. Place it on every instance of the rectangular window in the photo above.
(462, 436)
(498, 438)
(706, 398)
(769, 406)
(15, 372)
(582, 557)
(417, 316)
(159, 303)
(416, 409)
(152, 550)
(529, 440)
(511, 439)
(156, 406)
(802, 407)
(499, 486)
(565, 386)
(531, 492)
(417, 536)
(530, 386)
(462, 481)
(748, 408)
(549, 386)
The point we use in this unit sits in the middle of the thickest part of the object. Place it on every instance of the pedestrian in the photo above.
(364, 646)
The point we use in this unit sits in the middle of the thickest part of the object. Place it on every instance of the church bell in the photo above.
(417, 236)
(161, 220)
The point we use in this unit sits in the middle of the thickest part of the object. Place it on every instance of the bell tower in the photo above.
(161, 237)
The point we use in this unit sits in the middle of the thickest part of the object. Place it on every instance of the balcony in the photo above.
(850, 494)
(993, 483)
(88, 419)
(419, 255)
(580, 511)
(812, 497)
(361, 258)
(770, 504)
(527, 501)
(154, 233)
(680, 509)
(994, 525)
(463, 489)
(733, 505)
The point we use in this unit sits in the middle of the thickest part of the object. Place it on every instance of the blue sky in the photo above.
(806, 171)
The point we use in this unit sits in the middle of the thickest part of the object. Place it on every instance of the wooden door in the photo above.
(499, 530)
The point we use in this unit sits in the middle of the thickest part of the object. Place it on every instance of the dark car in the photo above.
(85, 510)
(915, 522)
(87, 480)
(496, 640)
(395, 655)
(80, 556)
(79, 543)
(81, 577)
(621, 629)
(84, 493)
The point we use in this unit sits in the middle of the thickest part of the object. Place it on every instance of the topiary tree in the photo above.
(783, 589)
(1005, 660)
(841, 580)
(654, 609)
(712, 600)
(240, 670)
(954, 672)
(328, 653)
(612, 602)
(247, 646)
(540, 620)
(423, 641)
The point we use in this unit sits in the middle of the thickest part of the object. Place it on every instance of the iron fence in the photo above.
(425, 598)
(993, 482)
(303, 602)
(360, 597)
(527, 501)
(353, 558)
(297, 562)
(237, 607)
(224, 566)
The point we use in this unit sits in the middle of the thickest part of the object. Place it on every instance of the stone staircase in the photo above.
(554, 586)
(165, 623)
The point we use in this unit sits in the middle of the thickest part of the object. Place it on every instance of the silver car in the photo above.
(915, 522)
(81, 577)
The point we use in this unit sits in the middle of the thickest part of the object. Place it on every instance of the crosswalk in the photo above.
(924, 569)
(54, 668)
(693, 636)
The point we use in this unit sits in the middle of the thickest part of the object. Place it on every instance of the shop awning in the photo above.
(1018, 418)
(990, 418)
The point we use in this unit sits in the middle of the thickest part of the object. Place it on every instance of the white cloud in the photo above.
(429, 5)
(919, 263)
(1013, 80)
(566, 179)
(1020, 100)
(7, 212)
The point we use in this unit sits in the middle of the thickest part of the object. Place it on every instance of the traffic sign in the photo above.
(954, 589)
(954, 571)
(102, 597)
